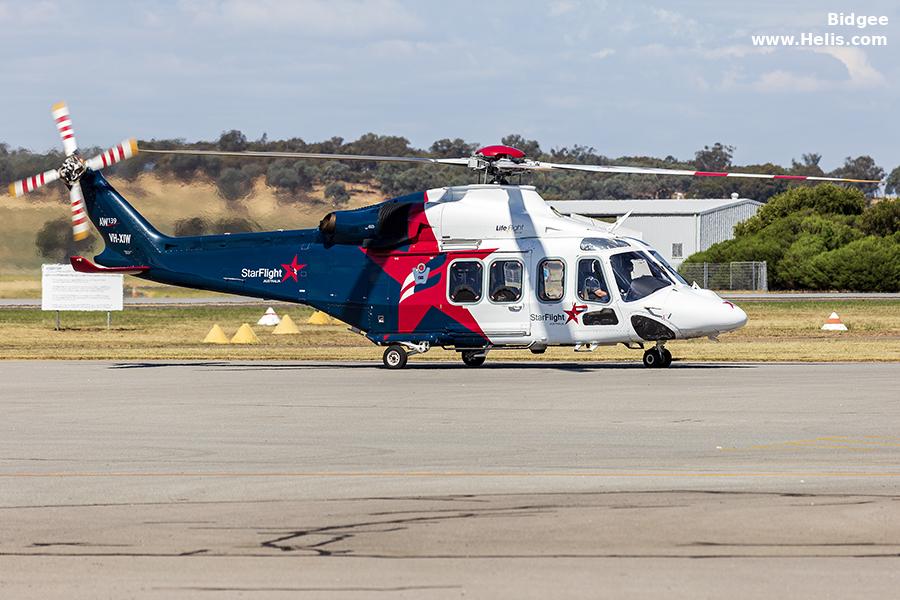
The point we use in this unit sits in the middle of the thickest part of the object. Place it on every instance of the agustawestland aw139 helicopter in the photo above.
(473, 268)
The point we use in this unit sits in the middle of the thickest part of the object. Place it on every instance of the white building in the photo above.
(677, 228)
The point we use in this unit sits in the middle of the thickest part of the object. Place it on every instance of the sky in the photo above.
(627, 78)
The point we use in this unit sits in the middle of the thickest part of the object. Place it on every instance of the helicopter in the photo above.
(473, 268)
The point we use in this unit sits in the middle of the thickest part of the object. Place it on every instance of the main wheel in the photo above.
(653, 358)
(473, 358)
(395, 357)
(666, 358)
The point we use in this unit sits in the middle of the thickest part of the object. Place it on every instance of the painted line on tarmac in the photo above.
(452, 474)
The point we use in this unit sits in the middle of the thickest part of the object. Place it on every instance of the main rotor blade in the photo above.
(29, 184)
(684, 172)
(126, 149)
(318, 156)
(80, 227)
(63, 120)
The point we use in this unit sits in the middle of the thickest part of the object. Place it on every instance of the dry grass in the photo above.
(784, 331)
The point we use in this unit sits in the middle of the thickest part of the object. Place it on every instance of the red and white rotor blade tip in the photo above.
(119, 152)
(63, 121)
(80, 227)
(29, 184)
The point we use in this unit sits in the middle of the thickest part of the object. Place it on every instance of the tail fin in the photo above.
(129, 238)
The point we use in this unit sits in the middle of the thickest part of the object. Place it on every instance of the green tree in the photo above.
(716, 158)
(191, 227)
(531, 148)
(232, 141)
(892, 184)
(861, 167)
(882, 218)
(54, 240)
(233, 184)
(337, 193)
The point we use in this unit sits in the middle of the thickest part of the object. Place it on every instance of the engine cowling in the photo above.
(382, 225)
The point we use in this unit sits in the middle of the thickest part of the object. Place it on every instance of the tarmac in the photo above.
(523, 480)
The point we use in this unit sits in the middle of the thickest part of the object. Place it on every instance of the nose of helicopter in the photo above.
(729, 317)
(702, 312)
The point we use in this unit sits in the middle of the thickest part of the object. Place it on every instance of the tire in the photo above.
(395, 357)
(653, 359)
(666, 358)
(473, 358)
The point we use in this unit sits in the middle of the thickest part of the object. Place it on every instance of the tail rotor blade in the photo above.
(29, 184)
(80, 227)
(63, 120)
(126, 149)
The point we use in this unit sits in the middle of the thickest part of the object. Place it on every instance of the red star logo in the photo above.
(291, 269)
(576, 310)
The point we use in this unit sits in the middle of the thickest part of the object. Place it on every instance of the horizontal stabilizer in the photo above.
(83, 265)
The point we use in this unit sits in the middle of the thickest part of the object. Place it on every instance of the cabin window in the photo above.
(466, 281)
(505, 283)
(591, 283)
(677, 250)
(551, 280)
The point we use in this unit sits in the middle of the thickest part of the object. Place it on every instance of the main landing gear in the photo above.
(657, 357)
(473, 358)
(397, 355)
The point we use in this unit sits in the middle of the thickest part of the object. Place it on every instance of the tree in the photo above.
(892, 184)
(234, 225)
(337, 193)
(190, 227)
(531, 148)
(881, 219)
(717, 158)
(232, 141)
(234, 184)
(861, 167)
(455, 148)
(289, 175)
(54, 240)
(809, 165)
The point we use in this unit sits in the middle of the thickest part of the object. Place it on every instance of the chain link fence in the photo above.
(749, 275)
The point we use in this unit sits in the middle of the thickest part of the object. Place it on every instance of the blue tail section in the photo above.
(128, 237)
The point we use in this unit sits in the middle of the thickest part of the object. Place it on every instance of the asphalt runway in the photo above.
(529, 480)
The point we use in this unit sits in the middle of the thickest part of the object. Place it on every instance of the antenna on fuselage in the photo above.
(619, 221)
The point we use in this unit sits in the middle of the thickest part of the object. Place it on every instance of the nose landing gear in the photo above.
(657, 357)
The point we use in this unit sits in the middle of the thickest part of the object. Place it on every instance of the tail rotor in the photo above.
(72, 168)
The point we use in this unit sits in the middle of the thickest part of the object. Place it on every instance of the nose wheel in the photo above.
(473, 358)
(658, 357)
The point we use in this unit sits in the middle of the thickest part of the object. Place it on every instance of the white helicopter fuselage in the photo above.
(551, 279)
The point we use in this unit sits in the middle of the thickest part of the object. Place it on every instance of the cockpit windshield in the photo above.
(637, 275)
(659, 258)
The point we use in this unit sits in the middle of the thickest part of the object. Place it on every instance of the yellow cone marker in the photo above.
(245, 335)
(319, 318)
(215, 336)
(287, 326)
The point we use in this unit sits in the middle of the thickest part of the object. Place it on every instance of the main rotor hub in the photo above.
(72, 169)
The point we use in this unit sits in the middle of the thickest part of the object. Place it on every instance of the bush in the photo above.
(881, 219)
(289, 175)
(54, 240)
(337, 193)
(234, 225)
(191, 226)
(234, 184)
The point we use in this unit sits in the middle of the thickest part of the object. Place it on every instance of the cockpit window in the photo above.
(591, 283)
(675, 274)
(637, 275)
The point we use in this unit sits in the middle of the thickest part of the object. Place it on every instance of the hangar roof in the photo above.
(648, 207)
